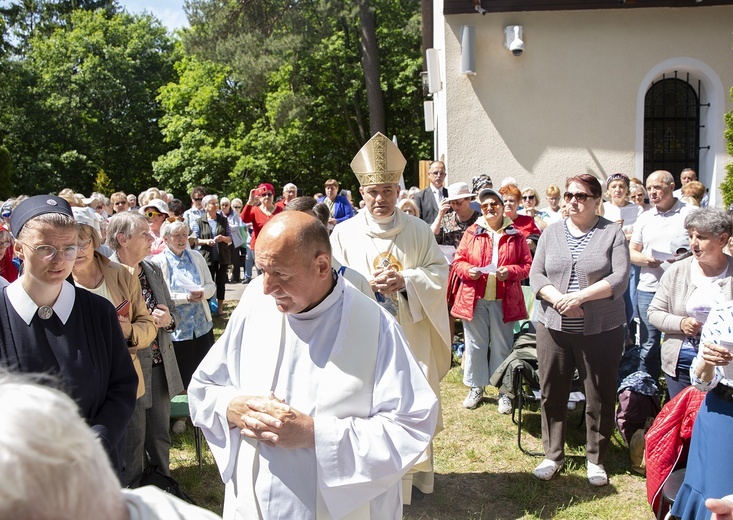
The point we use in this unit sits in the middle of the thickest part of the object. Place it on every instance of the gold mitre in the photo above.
(378, 162)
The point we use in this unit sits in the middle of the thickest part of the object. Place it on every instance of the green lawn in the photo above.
(480, 472)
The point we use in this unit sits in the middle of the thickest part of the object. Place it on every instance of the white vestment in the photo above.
(407, 244)
(346, 364)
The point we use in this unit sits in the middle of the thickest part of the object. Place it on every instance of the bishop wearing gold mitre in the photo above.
(406, 269)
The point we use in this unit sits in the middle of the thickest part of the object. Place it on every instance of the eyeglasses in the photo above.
(151, 214)
(268, 194)
(237, 207)
(492, 204)
(48, 253)
(580, 197)
(198, 199)
(437, 174)
(527, 197)
(84, 244)
(97, 207)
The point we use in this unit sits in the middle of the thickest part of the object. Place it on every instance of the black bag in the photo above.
(152, 476)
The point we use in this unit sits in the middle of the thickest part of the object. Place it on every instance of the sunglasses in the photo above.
(528, 197)
(151, 214)
(580, 197)
(198, 199)
(493, 204)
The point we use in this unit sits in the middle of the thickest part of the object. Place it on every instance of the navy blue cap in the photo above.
(34, 206)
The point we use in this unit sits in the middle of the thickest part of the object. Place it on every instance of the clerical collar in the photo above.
(27, 308)
(329, 301)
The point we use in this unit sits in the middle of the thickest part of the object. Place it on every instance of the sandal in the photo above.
(547, 469)
(597, 475)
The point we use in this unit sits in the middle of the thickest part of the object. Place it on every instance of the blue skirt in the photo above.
(710, 462)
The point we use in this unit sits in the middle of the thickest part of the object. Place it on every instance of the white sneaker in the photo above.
(505, 404)
(572, 405)
(597, 475)
(547, 469)
(474, 398)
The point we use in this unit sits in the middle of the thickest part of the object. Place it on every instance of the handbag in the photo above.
(153, 476)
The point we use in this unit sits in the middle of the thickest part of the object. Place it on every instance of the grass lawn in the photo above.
(480, 472)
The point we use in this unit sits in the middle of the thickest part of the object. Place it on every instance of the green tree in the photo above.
(299, 66)
(103, 184)
(6, 166)
(84, 99)
(726, 187)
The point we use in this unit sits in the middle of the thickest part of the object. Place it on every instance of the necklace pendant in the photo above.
(45, 312)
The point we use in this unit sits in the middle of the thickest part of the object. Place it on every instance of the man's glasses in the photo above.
(492, 204)
(48, 253)
(527, 197)
(580, 197)
(198, 199)
(151, 214)
(437, 174)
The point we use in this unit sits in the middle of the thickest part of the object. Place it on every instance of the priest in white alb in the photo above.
(311, 401)
(408, 272)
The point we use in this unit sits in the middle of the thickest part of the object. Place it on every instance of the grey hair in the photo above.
(168, 228)
(123, 224)
(636, 187)
(709, 220)
(53, 465)
(224, 200)
(209, 198)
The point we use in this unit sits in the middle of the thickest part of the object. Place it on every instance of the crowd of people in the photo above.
(330, 366)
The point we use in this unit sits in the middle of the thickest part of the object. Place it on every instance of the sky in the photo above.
(170, 12)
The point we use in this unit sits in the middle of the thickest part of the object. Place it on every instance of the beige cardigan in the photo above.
(123, 284)
(667, 309)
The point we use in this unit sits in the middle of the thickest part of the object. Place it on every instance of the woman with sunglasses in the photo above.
(157, 212)
(579, 273)
(530, 200)
(489, 301)
(49, 326)
(259, 209)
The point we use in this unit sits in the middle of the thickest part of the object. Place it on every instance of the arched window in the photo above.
(671, 127)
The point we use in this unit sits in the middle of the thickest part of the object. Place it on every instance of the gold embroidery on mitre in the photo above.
(378, 162)
(386, 260)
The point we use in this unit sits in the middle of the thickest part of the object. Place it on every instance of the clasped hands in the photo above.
(387, 281)
(569, 305)
(271, 421)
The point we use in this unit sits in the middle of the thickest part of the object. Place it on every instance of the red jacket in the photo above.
(666, 437)
(475, 250)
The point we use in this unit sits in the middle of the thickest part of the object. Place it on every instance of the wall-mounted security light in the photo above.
(513, 39)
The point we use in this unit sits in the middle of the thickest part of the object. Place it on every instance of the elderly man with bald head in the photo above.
(297, 399)
(650, 247)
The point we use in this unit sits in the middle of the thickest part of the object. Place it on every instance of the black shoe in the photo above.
(245, 281)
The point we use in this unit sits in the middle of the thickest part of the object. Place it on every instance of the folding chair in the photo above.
(179, 410)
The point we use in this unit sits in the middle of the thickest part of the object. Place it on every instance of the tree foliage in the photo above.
(726, 187)
(298, 68)
(84, 99)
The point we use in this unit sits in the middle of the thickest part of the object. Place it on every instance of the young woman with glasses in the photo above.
(50, 326)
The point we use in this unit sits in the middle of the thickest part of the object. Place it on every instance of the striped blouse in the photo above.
(576, 245)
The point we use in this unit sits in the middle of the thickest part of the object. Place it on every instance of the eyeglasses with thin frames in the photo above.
(48, 253)
(84, 244)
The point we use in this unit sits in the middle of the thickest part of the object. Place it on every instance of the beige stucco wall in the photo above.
(570, 103)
